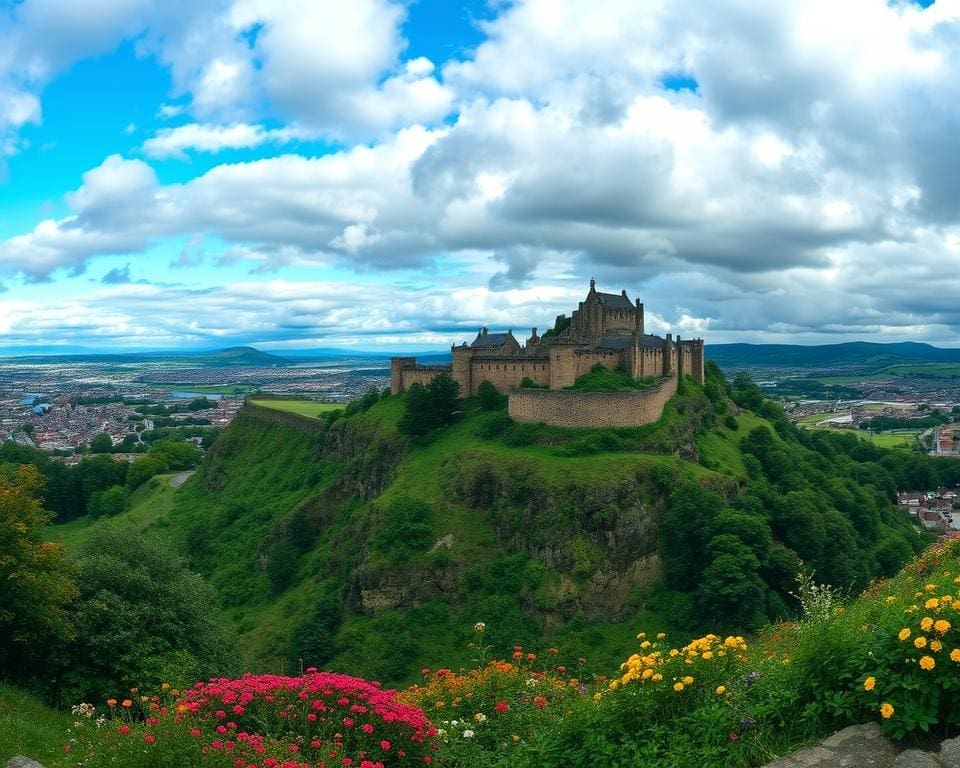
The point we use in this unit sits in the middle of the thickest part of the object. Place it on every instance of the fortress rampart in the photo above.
(571, 408)
(605, 329)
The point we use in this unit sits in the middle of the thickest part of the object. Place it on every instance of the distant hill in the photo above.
(231, 356)
(861, 354)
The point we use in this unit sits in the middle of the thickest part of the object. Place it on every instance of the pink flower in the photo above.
(385, 745)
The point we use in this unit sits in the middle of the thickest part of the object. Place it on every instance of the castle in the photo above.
(606, 328)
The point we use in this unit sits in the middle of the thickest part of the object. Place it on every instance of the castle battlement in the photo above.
(606, 328)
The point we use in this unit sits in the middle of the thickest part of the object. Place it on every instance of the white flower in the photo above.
(532, 682)
(479, 626)
(468, 734)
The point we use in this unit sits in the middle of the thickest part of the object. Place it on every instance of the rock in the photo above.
(950, 753)
(914, 758)
(859, 746)
(19, 761)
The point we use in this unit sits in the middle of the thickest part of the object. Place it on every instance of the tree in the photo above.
(146, 619)
(178, 454)
(27, 428)
(445, 398)
(36, 586)
(101, 443)
(108, 503)
(489, 398)
(731, 595)
(745, 393)
(143, 468)
(98, 473)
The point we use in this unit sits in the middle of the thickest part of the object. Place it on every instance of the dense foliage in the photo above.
(431, 407)
(145, 619)
(35, 585)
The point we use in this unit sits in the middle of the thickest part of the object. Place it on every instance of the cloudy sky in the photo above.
(390, 174)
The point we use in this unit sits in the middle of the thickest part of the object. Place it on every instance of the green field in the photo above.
(940, 370)
(906, 438)
(310, 408)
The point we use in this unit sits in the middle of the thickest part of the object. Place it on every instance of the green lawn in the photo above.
(309, 408)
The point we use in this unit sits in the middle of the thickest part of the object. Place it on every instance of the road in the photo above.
(181, 477)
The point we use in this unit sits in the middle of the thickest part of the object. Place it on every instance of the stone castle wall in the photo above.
(507, 373)
(568, 408)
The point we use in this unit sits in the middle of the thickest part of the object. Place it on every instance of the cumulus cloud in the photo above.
(809, 183)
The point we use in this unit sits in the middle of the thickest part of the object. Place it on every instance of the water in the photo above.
(190, 396)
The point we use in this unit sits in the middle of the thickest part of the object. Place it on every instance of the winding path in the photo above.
(181, 477)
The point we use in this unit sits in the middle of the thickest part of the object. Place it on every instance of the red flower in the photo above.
(540, 701)
(502, 706)
(149, 738)
(124, 729)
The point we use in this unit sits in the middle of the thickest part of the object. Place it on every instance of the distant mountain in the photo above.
(231, 356)
(861, 354)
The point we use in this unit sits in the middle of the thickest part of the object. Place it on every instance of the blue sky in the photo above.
(391, 175)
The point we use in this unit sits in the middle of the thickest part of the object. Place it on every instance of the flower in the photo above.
(927, 663)
(678, 686)
(126, 704)
(869, 683)
(502, 706)
(886, 710)
(721, 689)
(688, 680)
(926, 623)
(479, 627)
(955, 655)
(920, 642)
(468, 734)
(540, 702)
(904, 634)
(942, 626)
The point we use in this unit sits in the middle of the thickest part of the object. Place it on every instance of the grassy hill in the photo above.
(348, 545)
(861, 354)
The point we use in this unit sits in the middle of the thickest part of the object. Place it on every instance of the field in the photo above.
(207, 389)
(27, 727)
(902, 438)
(309, 408)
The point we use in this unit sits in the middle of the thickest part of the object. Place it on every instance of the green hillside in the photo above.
(351, 546)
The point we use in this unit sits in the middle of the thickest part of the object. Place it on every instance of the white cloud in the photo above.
(199, 137)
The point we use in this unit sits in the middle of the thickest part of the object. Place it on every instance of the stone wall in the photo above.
(507, 373)
(561, 408)
(419, 374)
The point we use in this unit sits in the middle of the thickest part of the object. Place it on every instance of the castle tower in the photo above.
(463, 368)
(397, 364)
(668, 355)
(696, 361)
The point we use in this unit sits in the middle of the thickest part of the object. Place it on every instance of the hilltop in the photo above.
(340, 541)
(230, 356)
(862, 354)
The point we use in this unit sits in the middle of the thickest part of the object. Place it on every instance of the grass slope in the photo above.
(309, 408)
(29, 728)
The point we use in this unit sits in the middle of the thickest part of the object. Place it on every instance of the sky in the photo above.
(393, 174)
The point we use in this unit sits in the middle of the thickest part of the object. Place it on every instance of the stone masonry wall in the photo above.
(507, 373)
(419, 375)
(561, 408)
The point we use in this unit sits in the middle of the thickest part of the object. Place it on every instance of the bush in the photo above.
(281, 565)
(146, 619)
(262, 720)
(489, 398)
(108, 503)
(405, 527)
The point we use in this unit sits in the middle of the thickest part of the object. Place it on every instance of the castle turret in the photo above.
(397, 364)
(462, 369)
(667, 355)
(640, 330)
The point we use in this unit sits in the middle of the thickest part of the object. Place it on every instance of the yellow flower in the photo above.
(926, 623)
(927, 663)
(955, 655)
(889, 599)
(942, 626)
(657, 677)
(708, 655)
(932, 603)
(929, 587)
(869, 683)
(688, 680)
(920, 642)
(641, 636)
(721, 690)
(661, 635)
(887, 710)
(904, 633)
(678, 687)
(936, 646)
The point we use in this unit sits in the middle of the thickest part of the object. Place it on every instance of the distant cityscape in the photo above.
(61, 407)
